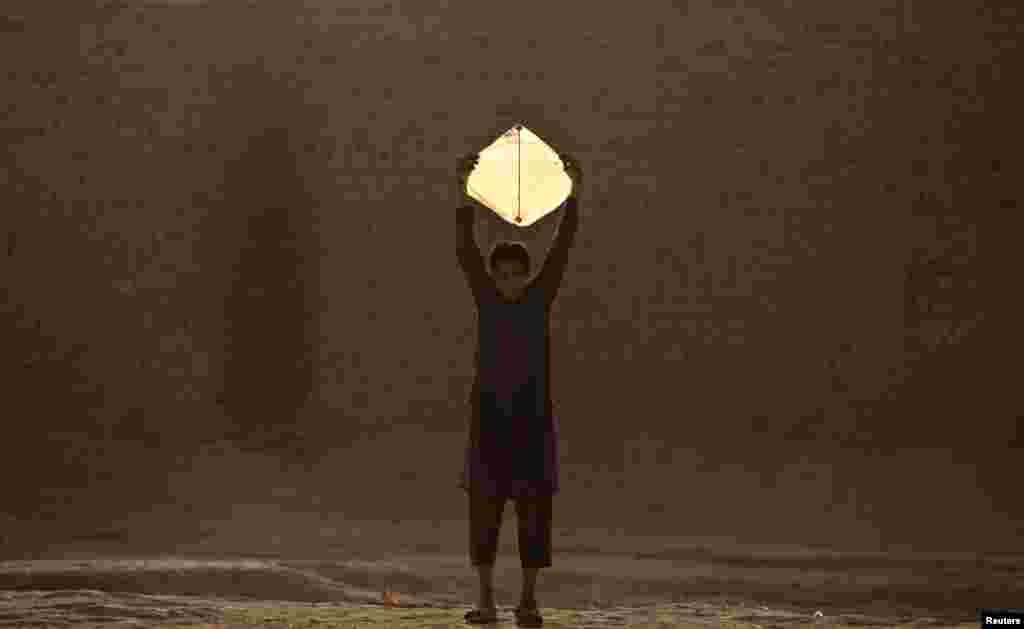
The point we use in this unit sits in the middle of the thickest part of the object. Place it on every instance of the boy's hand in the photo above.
(572, 169)
(465, 166)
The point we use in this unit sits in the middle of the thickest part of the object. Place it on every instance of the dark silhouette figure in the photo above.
(268, 368)
(512, 450)
(49, 398)
(258, 248)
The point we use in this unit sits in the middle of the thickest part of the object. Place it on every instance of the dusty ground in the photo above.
(585, 590)
(92, 608)
(257, 567)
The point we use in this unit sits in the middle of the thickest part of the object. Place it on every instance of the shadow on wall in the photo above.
(262, 239)
(48, 396)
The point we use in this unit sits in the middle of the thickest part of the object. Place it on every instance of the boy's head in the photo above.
(510, 268)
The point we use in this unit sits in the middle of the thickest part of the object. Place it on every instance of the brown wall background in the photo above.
(790, 312)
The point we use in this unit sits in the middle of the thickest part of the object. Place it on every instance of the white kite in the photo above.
(519, 178)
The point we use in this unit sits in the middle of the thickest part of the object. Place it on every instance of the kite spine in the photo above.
(519, 174)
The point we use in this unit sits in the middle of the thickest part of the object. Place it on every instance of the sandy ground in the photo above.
(255, 568)
(92, 608)
(687, 588)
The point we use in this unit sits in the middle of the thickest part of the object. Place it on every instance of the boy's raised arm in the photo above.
(550, 278)
(466, 251)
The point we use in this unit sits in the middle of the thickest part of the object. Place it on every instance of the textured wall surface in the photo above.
(791, 294)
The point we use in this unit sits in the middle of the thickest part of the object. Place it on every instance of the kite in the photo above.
(520, 178)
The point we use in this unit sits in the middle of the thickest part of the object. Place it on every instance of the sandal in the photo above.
(482, 616)
(528, 617)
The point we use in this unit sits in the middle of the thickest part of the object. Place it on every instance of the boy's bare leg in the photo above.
(528, 597)
(486, 598)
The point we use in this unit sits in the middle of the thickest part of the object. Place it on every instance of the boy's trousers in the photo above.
(533, 514)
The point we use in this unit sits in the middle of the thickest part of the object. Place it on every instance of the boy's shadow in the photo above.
(266, 230)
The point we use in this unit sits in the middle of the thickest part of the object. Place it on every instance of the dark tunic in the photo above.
(512, 444)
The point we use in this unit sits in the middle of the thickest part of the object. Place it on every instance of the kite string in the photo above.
(519, 174)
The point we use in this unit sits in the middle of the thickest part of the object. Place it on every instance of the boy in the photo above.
(513, 438)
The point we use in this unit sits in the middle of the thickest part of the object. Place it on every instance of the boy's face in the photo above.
(510, 276)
